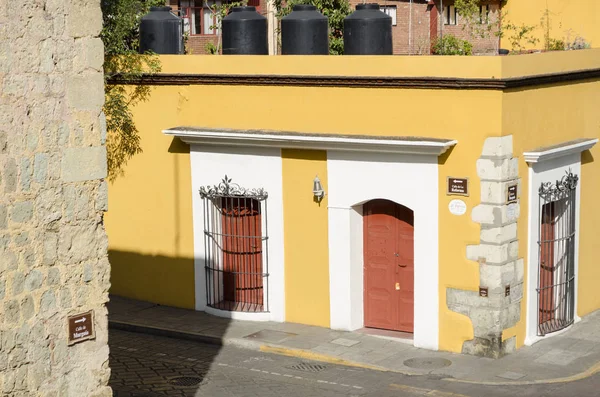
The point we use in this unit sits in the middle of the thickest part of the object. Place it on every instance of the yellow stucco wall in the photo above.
(567, 17)
(305, 238)
(149, 222)
(545, 116)
(469, 116)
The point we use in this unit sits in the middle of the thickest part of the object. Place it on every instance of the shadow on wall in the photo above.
(158, 279)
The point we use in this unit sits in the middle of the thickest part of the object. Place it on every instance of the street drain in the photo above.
(306, 367)
(185, 381)
(427, 363)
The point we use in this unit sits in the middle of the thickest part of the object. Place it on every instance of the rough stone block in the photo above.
(516, 293)
(34, 280)
(84, 20)
(486, 321)
(17, 283)
(21, 212)
(83, 164)
(499, 235)
(80, 97)
(3, 143)
(519, 271)
(498, 147)
(40, 167)
(25, 177)
(21, 239)
(9, 176)
(496, 277)
(513, 249)
(495, 215)
(89, 54)
(50, 248)
(103, 128)
(492, 253)
(495, 192)
(11, 312)
(512, 315)
(3, 217)
(54, 276)
(102, 197)
(48, 304)
(27, 307)
(498, 169)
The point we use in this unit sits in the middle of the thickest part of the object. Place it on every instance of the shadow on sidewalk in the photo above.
(154, 295)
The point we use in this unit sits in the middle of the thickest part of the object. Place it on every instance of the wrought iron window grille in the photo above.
(556, 256)
(236, 247)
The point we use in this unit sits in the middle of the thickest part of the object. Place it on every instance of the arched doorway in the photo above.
(388, 266)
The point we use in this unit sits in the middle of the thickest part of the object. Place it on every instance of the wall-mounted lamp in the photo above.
(318, 191)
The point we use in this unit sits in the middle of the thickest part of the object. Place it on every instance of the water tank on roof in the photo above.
(304, 32)
(368, 31)
(161, 31)
(245, 32)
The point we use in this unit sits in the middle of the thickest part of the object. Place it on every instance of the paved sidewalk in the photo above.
(572, 355)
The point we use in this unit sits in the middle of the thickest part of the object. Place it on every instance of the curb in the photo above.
(309, 355)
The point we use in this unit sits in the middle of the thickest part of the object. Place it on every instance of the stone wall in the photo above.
(497, 255)
(53, 248)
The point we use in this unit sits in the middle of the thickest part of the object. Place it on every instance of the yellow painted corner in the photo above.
(306, 238)
(149, 221)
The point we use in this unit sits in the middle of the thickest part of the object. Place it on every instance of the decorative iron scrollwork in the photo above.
(551, 191)
(228, 189)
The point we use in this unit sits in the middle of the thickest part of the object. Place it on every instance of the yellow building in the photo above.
(451, 198)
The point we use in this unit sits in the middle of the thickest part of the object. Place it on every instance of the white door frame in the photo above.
(412, 181)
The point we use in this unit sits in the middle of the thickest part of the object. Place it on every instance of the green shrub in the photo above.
(452, 45)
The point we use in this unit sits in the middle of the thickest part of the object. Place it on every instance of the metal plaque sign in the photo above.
(457, 186)
(81, 327)
(512, 193)
(483, 292)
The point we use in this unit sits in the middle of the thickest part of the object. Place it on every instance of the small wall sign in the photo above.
(512, 193)
(483, 292)
(81, 327)
(457, 186)
(457, 207)
(507, 290)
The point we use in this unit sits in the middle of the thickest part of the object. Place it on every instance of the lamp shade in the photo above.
(318, 188)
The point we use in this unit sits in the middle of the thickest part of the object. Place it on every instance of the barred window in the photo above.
(556, 268)
(236, 246)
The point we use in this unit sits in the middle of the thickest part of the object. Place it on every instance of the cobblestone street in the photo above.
(145, 365)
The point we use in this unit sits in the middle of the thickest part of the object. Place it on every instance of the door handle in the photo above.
(401, 265)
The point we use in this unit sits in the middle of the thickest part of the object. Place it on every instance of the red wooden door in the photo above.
(547, 268)
(242, 253)
(388, 266)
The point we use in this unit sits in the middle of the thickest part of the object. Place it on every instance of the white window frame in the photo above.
(390, 10)
(485, 20)
(450, 15)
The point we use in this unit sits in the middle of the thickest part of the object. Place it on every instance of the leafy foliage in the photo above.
(334, 10)
(452, 45)
(120, 35)
(519, 36)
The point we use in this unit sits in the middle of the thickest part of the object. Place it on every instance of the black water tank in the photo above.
(245, 32)
(304, 32)
(368, 31)
(161, 31)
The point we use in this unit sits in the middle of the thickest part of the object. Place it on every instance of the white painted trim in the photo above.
(355, 178)
(568, 149)
(547, 172)
(250, 168)
(404, 145)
